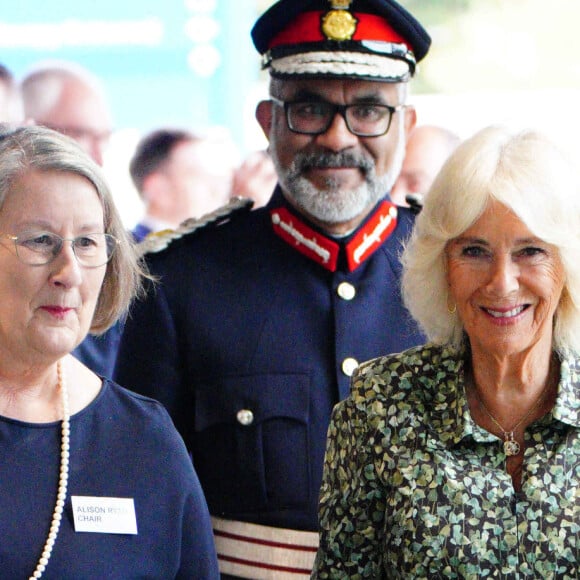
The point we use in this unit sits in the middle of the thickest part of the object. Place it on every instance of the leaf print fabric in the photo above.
(414, 488)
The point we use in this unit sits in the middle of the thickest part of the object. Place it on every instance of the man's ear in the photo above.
(264, 116)
(410, 119)
(154, 186)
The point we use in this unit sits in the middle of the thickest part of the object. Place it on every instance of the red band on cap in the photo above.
(307, 28)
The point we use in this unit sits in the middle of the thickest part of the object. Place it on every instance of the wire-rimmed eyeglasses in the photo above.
(41, 248)
(315, 117)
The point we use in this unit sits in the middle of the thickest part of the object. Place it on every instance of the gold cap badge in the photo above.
(340, 4)
(338, 23)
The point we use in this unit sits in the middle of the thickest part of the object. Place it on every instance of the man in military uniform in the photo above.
(256, 325)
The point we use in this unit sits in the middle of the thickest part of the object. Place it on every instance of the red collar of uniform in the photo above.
(324, 250)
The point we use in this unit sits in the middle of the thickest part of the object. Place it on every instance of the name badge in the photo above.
(104, 515)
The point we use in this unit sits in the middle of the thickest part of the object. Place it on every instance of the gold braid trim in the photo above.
(157, 241)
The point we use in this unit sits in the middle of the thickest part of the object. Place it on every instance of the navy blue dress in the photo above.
(99, 352)
(122, 446)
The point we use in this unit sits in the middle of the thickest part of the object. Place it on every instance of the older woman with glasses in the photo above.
(461, 458)
(96, 482)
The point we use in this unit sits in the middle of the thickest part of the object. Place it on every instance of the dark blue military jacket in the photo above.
(245, 339)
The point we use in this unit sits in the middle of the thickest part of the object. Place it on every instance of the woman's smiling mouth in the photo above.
(505, 313)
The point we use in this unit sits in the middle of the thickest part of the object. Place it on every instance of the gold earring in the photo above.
(451, 310)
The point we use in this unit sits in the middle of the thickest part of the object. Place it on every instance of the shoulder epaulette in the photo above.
(415, 201)
(157, 241)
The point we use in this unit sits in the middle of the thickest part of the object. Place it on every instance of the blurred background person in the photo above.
(427, 149)
(180, 175)
(10, 99)
(69, 99)
(97, 482)
(255, 178)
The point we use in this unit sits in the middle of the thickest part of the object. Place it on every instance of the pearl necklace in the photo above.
(63, 478)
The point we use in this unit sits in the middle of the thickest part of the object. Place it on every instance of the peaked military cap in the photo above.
(361, 39)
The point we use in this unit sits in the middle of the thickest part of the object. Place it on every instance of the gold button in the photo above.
(346, 291)
(349, 365)
(245, 417)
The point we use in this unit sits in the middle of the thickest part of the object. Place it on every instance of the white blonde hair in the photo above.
(527, 173)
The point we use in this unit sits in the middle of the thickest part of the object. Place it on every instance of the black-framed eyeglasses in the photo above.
(41, 248)
(315, 117)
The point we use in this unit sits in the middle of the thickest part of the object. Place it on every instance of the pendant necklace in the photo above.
(63, 478)
(510, 446)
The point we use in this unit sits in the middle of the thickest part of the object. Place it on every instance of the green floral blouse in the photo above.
(414, 488)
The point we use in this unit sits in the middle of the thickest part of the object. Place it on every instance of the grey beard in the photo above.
(332, 204)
